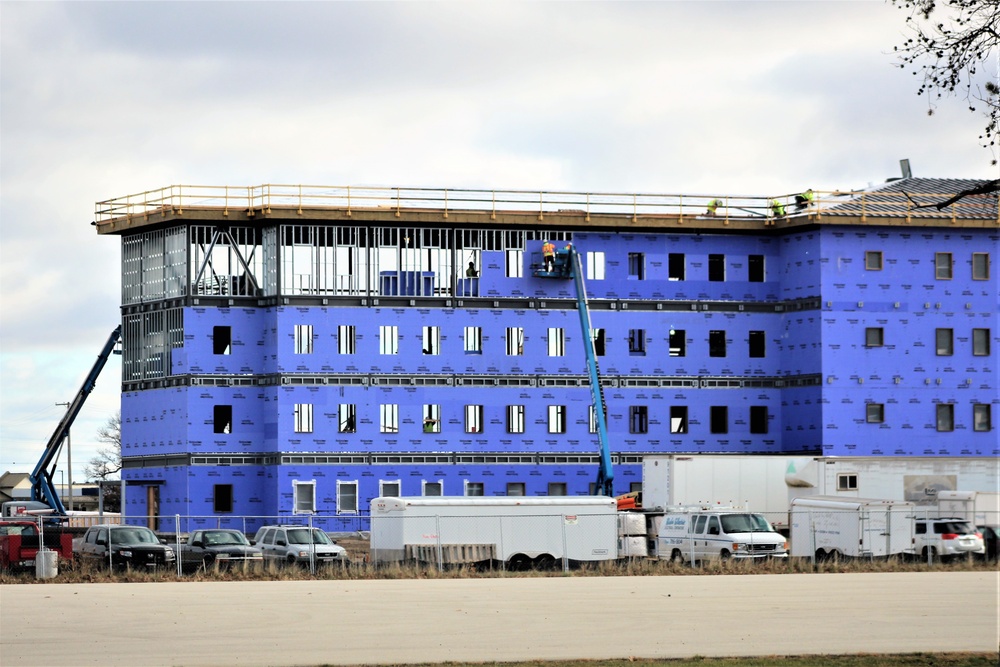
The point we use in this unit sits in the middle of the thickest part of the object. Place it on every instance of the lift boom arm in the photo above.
(42, 488)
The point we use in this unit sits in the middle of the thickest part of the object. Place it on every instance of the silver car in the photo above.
(298, 545)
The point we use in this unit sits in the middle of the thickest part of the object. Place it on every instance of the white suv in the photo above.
(947, 538)
(298, 544)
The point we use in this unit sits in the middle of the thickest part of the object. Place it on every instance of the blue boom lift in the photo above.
(42, 488)
(566, 264)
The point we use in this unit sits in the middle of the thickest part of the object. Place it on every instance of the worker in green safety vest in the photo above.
(713, 206)
(803, 200)
(777, 208)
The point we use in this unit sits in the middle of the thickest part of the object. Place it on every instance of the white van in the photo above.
(699, 534)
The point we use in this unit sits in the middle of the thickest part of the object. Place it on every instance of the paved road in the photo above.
(354, 622)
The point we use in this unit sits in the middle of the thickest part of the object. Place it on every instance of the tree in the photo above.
(950, 46)
(108, 461)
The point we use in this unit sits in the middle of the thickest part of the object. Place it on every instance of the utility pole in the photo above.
(69, 461)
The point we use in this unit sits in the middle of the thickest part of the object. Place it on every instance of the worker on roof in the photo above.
(777, 208)
(548, 254)
(803, 200)
(713, 206)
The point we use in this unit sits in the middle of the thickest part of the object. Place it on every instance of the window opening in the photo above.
(515, 263)
(716, 343)
(305, 496)
(847, 482)
(755, 268)
(346, 339)
(595, 265)
(222, 418)
(944, 342)
(638, 419)
(980, 342)
(945, 417)
(637, 342)
(980, 266)
(515, 489)
(557, 419)
(432, 418)
(222, 498)
(556, 342)
(431, 340)
(347, 497)
(717, 268)
(432, 488)
(875, 413)
(388, 339)
(476, 489)
(675, 266)
(303, 418)
(303, 335)
(515, 419)
(222, 340)
(387, 489)
(389, 418)
(942, 265)
(557, 488)
(637, 266)
(873, 260)
(982, 419)
(473, 340)
(719, 419)
(515, 341)
(873, 337)
(678, 342)
(473, 419)
(758, 419)
(597, 337)
(757, 344)
(678, 419)
(347, 418)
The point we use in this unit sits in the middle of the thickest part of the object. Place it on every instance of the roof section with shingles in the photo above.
(902, 197)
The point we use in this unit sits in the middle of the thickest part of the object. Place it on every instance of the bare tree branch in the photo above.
(108, 460)
(982, 189)
(953, 45)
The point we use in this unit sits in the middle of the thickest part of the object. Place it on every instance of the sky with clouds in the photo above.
(99, 100)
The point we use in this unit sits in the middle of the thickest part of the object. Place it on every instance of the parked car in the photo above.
(946, 538)
(130, 547)
(218, 547)
(298, 544)
(991, 541)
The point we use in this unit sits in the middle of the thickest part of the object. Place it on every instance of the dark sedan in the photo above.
(218, 547)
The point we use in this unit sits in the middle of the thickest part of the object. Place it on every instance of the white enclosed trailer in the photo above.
(981, 508)
(829, 526)
(753, 483)
(517, 531)
(916, 479)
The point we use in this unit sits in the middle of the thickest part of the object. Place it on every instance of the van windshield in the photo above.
(745, 523)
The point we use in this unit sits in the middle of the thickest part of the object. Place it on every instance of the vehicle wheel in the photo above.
(519, 563)
(290, 559)
(725, 554)
(677, 557)
(208, 563)
(544, 562)
(932, 554)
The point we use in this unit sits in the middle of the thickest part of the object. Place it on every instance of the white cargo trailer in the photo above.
(833, 527)
(912, 478)
(981, 508)
(518, 531)
(753, 483)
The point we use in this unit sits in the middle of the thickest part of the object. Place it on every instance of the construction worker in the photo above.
(777, 208)
(548, 254)
(713, 206)
(471, 271)
(803, 200)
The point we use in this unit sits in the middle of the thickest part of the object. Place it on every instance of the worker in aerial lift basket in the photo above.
(548, 254)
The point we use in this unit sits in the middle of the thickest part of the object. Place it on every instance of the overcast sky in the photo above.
(99, 100)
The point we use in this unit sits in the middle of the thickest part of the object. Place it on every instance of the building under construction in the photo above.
(303, 349)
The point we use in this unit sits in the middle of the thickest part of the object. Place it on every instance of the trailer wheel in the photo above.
(544, 562)
(519, 563)
(677, 557)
